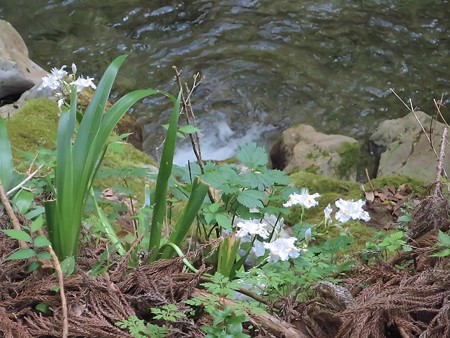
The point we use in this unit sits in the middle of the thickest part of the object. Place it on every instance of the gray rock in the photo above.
(408, 151)
(303, 148)
(17, 72)
(35, 92)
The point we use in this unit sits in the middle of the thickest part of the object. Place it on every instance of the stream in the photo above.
(265, 64)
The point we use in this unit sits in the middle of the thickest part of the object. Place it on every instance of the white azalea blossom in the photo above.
(327, 212)
(282, 249)
(351, 210)
(251, 227)
(82, 83)
(304, 199)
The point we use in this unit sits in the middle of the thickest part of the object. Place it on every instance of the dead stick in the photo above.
(12, 216)
(440, 164)
(57, 267)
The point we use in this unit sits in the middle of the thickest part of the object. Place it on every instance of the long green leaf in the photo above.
(6, 160)
(198, 194)
(165, 170)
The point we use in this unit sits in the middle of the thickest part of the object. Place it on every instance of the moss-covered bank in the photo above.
(35, 126)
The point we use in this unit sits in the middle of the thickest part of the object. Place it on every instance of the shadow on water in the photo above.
(266, 63)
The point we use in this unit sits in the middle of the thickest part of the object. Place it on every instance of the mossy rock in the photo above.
(330, 190)
(36, 125)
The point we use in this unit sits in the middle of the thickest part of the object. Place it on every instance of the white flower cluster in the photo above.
(282, 246)
(60, 80)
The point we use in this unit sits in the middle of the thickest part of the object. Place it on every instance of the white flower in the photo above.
(304, 199)
(53, 80)
(74, 68)
(258, 249)
(59, 73)
(60, 103)
(351, 210)
(327, 212)
(82, 83)
(308, 235)
(282, 249)
(251, 227)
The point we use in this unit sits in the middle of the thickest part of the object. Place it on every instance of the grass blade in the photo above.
(6, 161)
(196, 199)
(165, 169)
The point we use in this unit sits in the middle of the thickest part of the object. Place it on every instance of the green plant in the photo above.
(227, 318)
(80, 153)
(443, 245)
(196, 196)
(168, 313)
(30, 236)
(139, 329)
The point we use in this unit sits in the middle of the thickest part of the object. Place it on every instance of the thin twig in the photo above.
(190, 117)
(440, 164)
(57, 267)
(12, 216)
(21, 184)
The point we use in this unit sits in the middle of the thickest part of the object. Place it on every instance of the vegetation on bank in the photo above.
(216, 250)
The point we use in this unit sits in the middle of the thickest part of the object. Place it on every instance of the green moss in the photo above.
(416, 185)
(313, 169)
(36, 125)
(330, 189)
(349, 154)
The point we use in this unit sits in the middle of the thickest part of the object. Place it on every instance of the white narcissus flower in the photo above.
(351, 210)
(282, 249)
(304, 199)
(251, 227)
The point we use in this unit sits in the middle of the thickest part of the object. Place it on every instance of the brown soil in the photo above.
(408, 296)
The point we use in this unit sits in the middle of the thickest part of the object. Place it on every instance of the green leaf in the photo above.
(442, 253)
(224, 221)
(33, 266)
(444, 238)
(44, 255)
(20, 235)
(189, 129)
(68, 266)
(6, 160)
(187, 217)
(23, 201)
(21, 254)
(165, 170)
(41, 241)
(44, 308)
(252, 156)
(251, 198)
(37, 224)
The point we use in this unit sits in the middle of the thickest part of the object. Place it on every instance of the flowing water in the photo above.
(266, 63)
